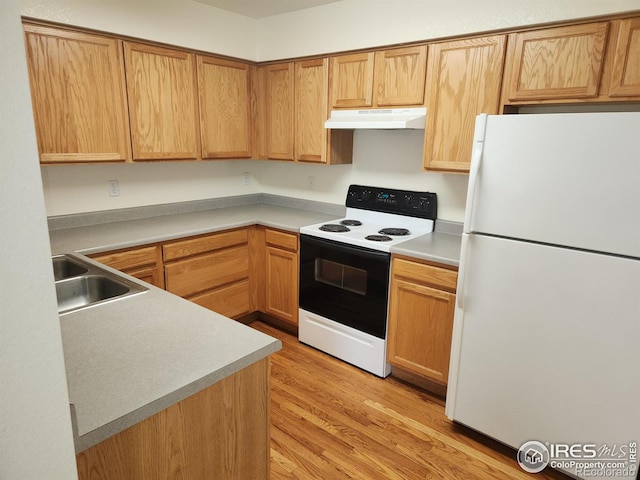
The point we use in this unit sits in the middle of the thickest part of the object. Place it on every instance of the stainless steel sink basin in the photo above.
(81, 284)
(65, 267)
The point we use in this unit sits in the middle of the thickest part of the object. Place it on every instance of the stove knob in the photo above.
(410, 200)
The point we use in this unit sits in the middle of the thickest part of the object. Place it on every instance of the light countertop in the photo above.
(129, 359)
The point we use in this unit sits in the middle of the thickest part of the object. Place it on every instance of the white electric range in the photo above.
(344, 272)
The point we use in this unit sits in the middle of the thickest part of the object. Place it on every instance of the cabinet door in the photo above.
(352, 80)
(280, 108)
(77, 89)
(225, 116)
(400, 76)
(311, 105)
(161, 87)
(557, 63)
(282, 284)
(463, 79)
(625, 77)
(420, 328)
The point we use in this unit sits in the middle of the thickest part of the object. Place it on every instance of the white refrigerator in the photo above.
(546, 341)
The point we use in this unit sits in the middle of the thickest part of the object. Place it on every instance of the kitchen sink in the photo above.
(65, 267)
(80, 284)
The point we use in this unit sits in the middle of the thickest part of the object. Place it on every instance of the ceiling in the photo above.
(264, 8)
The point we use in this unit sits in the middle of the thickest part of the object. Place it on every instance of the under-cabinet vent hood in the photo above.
(382, 119)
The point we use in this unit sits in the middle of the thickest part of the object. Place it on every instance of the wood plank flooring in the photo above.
(331, 421)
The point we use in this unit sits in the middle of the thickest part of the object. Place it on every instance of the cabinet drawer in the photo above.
(194, 246)
(204, 272)
(288, 241)
(231, 300)
(429, 274)
(129, 259)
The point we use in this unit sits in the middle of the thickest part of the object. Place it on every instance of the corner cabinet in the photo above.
(144, 263)
(281, 273)
(464, 79)
(421, 308)
(78, 95)
(162, 92)
(224, 90)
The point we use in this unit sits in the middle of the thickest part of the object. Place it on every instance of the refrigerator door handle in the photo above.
(462, 272)
(476, 160)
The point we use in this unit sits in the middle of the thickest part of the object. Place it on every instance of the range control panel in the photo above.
(387, 200)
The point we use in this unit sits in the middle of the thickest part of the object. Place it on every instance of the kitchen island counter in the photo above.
(131, 358)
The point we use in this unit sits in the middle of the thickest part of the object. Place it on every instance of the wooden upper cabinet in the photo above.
(386, 78)
(556, 63)
(463, 79)
(311, 107)
(78, 95)
(161, 87)
(625, 75)
(280, 111)
(352, 80)
(400, 76)
(224, 100)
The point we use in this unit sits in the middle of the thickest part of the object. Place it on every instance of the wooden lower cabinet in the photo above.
(421, 308)
(281, 273)
(211, 270)
(144, 263)
(234, 272)
(221, 432)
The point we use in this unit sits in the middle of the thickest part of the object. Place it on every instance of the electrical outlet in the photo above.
(311, 182)
(246, 178)
(114, 188)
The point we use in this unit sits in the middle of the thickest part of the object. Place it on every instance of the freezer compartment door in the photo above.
(546, 345)
(565, 179)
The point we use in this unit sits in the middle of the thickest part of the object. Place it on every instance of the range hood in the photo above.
(382, 119)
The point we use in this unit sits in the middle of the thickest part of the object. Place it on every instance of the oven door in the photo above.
(345, 283)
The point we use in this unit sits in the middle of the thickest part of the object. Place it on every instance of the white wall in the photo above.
(354, 24)
(177, 22)
(74, 189)
(380, 158)
(391, 159)
(35, 426)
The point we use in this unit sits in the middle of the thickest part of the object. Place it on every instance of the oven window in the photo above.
(346, 284)
(341, 276)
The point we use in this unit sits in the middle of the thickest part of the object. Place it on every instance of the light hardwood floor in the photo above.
(331, 421)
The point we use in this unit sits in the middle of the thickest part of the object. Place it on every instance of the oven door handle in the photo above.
(343, 247)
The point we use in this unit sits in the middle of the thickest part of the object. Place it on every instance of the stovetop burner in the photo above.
(395, 231)
(378, 238)
(351, 223)
(334, 228)
(379, 218)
